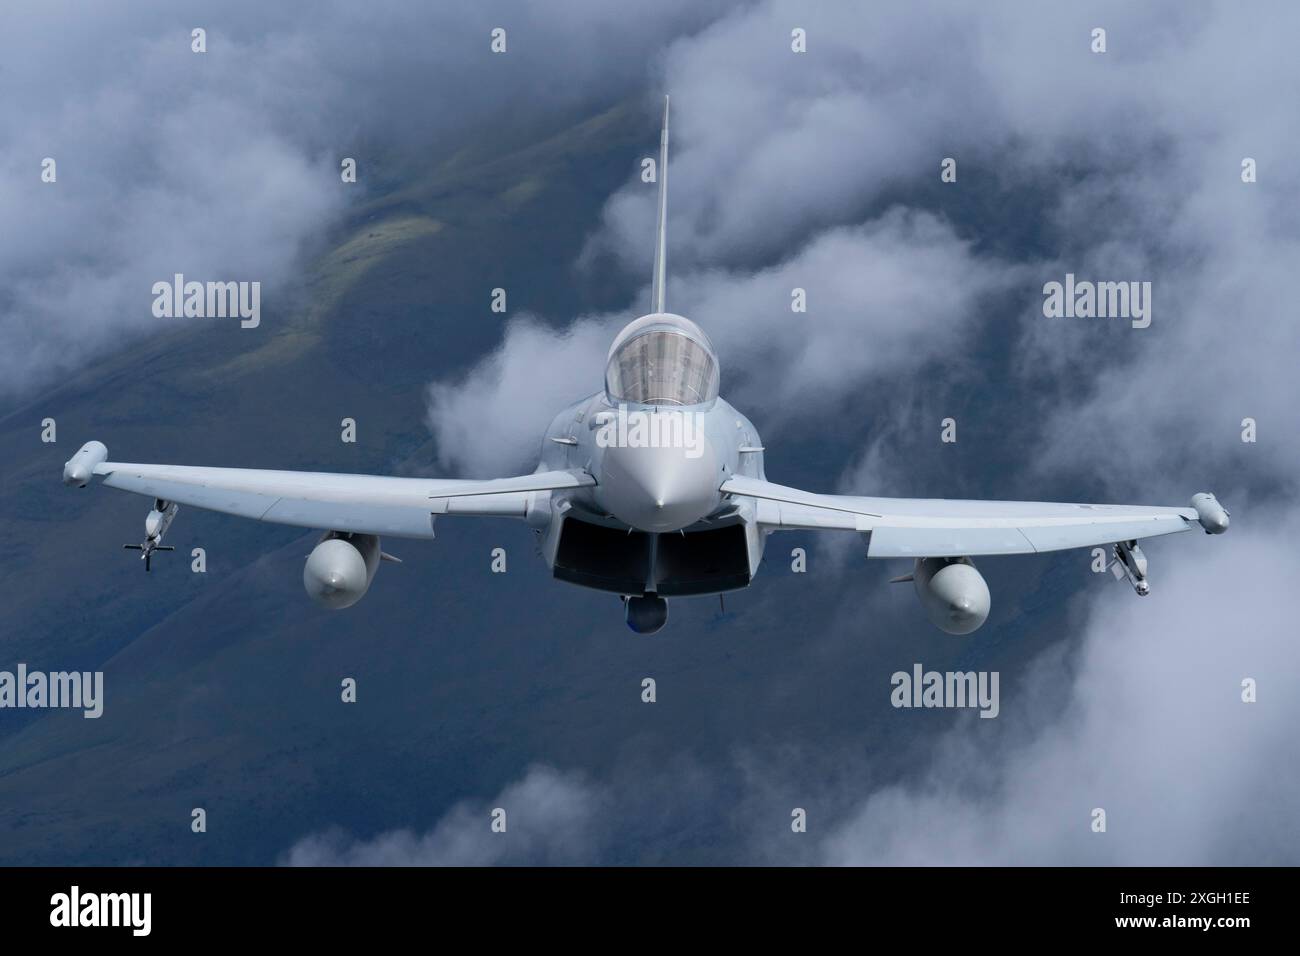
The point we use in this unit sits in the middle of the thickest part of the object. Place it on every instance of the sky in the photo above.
(817, 170)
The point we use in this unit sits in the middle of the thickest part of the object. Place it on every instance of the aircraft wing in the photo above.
(366, 504)
(942, 528)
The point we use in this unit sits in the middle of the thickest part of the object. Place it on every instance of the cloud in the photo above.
(225, 165)
(821, 170)
(489, 421)
(773, 147)
(883, 298)
(1162, 199)
(1153, 731)
(551, 818)
(1122, 166)
(162, 168)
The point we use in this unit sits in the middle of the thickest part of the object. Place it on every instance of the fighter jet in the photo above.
(651, 488)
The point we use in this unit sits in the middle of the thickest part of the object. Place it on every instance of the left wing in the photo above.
(364, 504)
(942, 528)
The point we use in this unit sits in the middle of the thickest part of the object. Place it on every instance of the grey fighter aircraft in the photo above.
(650, 488)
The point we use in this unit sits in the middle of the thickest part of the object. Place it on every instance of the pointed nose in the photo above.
(659, 488)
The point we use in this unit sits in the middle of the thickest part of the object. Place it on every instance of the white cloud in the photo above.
(489, 422)
(883, 298)
(225, 165)
(203, 182)
(1129, 160)
(1153, 731)
(551, 818)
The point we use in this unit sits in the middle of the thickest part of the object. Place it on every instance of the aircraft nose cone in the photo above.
(660, 488)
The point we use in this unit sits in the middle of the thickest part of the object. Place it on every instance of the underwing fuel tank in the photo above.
(953, 593)
(340, 568)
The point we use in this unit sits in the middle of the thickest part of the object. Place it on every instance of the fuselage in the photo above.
(647, 477)
(658, 457)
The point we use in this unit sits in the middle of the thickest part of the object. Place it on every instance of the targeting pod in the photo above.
(1131, 563)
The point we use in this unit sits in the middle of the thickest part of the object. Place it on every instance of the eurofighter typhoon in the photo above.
(651, 488)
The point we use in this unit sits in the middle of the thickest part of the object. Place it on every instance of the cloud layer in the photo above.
(873, 312)
(549, 818)
(821, 171)
(1154, 732)
(225, 165)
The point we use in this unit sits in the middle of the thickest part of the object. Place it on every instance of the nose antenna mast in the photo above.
(661, 241)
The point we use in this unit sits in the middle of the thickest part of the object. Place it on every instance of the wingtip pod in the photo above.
(1212, 515)
(80, 468)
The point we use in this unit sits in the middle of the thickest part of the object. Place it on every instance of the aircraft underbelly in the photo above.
(638, 562)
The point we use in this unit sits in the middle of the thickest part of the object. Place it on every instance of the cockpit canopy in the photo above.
(662, 359)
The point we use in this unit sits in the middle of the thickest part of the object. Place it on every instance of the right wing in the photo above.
(939, 528)
(365, 504)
